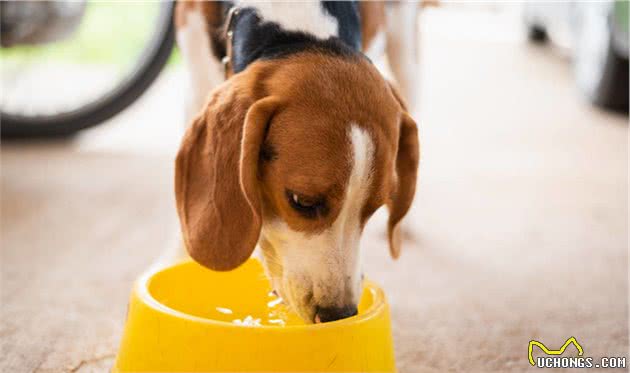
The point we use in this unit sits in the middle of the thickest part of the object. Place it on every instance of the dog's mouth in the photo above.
(299, 302)
(302, 302)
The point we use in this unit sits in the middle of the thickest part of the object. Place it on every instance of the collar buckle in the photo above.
(229, 36)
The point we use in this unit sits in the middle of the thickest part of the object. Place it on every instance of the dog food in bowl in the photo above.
(277, 313)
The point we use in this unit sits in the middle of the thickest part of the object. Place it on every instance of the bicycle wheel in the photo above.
(126, 89)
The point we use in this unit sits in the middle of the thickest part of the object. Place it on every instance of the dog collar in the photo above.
(229, 36)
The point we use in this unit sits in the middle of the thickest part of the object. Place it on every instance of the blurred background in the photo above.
(519, 229)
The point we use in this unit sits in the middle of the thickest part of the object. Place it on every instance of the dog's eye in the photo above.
(307, 206)
(302, 202)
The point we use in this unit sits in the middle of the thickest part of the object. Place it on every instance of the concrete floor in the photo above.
(519, 230)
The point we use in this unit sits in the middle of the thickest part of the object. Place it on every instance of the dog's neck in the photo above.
(255, 37)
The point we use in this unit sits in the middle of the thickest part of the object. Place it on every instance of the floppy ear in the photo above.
(216, 183)
(407, 158)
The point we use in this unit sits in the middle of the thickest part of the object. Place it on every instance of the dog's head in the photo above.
(297, 155)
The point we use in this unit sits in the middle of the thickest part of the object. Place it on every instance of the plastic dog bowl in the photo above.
(186, 318)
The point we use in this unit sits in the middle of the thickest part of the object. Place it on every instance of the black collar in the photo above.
(249, 38)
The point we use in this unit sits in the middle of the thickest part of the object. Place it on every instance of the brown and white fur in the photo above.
(295, 153)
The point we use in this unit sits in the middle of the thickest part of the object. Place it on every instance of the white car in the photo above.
(597, 34)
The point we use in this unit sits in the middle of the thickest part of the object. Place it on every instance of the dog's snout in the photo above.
(326, 314)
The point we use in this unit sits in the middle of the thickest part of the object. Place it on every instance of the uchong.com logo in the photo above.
(552, 358)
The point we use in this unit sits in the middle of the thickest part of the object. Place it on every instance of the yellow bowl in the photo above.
(181, 319)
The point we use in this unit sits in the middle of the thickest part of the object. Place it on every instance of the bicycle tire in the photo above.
(118, 99)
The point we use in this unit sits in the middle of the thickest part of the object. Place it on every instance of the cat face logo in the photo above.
(544, 348)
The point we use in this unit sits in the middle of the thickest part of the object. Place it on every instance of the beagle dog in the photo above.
(299, 146)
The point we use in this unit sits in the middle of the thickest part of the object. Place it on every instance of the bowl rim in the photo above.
(141, 288)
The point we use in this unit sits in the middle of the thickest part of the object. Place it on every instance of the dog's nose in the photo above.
(326, 314)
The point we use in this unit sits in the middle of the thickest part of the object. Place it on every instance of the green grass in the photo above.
(113, 33)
